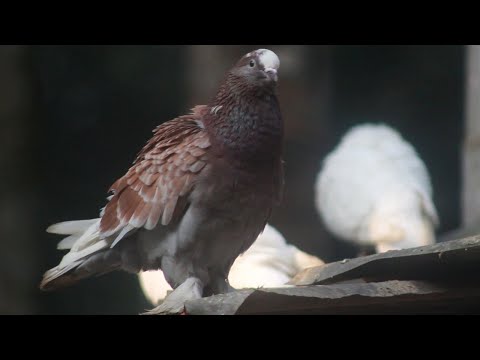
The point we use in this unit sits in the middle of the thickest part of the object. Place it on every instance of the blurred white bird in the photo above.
(374, 189)
(269, 262)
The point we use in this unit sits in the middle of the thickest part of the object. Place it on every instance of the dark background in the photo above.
(72, 119)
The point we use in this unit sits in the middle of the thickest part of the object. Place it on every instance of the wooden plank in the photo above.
(436, 279)
(391, 297)
(225, 304)
(443, 261)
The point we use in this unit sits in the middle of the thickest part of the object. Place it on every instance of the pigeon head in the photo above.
(258, 67)
(244, 118)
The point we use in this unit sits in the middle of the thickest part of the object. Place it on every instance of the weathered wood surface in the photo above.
(226, 304)
(390, 297)
(436, 279)
(442, 261)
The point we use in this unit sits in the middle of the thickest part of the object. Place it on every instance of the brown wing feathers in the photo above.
(163, 172)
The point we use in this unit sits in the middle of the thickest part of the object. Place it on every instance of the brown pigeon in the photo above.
(197, 196)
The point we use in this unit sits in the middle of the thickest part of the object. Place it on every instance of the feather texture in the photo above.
(374, 189)
(269, 262)
(196, 197)
(163, 173)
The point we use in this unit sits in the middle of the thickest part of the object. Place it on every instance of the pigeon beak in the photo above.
(272, 74)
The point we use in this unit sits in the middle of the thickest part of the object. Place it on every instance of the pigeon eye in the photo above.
(252, 63)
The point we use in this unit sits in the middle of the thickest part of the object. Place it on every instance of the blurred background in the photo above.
(72, 119)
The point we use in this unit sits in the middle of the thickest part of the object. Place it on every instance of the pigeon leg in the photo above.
(174, 303)
(218, 285)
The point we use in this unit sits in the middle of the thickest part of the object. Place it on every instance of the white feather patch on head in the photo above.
(268, 59)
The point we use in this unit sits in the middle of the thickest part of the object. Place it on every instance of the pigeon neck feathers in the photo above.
(244, 121)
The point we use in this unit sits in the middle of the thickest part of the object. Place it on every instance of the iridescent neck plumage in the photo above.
(245, 120)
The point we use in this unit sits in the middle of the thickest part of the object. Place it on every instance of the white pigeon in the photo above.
(269, 262)
(374, 189)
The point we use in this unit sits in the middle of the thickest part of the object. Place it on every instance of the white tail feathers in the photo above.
(71, 227)
(67, 243)
(55, 273)
(122, 234)
(83, 241)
